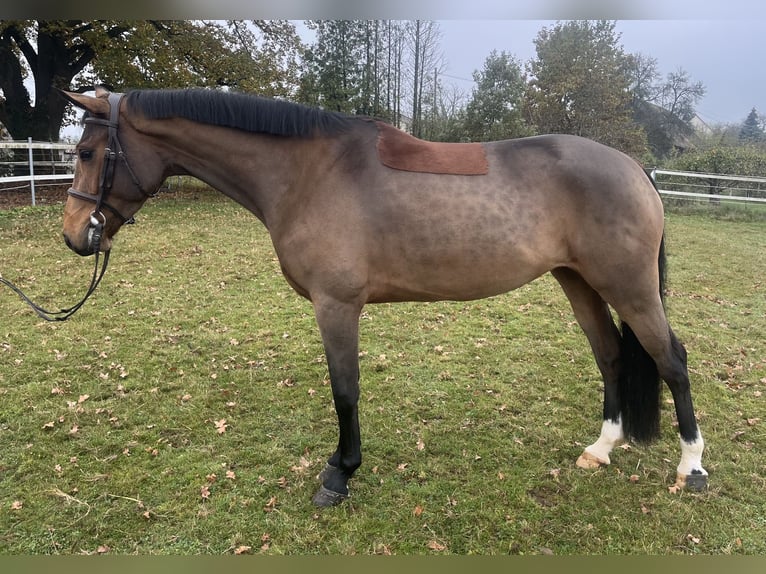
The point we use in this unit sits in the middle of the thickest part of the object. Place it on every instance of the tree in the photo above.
(427, 64)
(580, 85)
(343, 67)
(76, 54)
(663, 109)
(679, 94)
(332, 77)
(495, 109)
(643, 74)
(751, 131)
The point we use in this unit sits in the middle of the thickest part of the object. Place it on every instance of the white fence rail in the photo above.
(54, 162)
(712, 187)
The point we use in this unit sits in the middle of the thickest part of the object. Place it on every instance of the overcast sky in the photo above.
(727, 56)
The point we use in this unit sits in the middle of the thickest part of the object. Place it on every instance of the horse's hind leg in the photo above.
(593, 315)
(632, 364)
(657, 338)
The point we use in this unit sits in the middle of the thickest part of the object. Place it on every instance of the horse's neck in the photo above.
(252, 169)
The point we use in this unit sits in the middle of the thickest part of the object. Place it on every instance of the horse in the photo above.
(360, 212)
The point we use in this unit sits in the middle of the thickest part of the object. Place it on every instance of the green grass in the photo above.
(472, 414)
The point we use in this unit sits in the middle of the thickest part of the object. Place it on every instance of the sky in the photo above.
(726, 55)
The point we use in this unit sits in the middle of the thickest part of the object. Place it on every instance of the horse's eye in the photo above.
(85, 154)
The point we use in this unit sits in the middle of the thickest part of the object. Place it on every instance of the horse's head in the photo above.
(114, 174)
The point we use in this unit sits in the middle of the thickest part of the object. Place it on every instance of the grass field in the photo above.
(186, 407)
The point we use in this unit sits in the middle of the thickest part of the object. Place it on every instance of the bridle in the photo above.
(112, 153)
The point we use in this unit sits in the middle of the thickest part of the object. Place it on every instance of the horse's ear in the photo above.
(102, 91)
(96, 106)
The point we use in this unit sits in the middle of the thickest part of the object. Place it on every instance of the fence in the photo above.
(43, 162)
(710, 187)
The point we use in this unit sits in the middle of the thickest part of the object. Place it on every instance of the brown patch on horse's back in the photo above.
(399, 150)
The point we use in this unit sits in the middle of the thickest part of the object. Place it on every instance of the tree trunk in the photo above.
(415, 84)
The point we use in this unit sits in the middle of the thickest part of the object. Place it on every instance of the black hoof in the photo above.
(327, 498)
(696, 482)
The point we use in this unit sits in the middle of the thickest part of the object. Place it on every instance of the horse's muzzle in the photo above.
(84, 251)
(94, 233)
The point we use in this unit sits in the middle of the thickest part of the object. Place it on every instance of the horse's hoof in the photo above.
(590, 461)
(696, 481)
(327, 498)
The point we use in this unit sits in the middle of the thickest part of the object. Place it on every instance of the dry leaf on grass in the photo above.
(436, 545)
(271, 504)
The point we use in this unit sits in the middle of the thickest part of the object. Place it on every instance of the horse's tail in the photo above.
(639, 381)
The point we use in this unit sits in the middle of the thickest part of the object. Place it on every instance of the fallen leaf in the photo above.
(554, 472)
(675, 489)
(417, 511)
(242, 550)
(645, 510)
(17, 505)
(220, 426)
(271, 504)
(74, 430)
(753, 422)
(436, 545)
(420, 444)
(693, 539)
(204, 492)
(103, 549)
(211, 478)
(230, 475)
(633, 478)
(265, 541)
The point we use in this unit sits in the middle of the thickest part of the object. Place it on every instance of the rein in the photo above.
(62, 314)
(112, 152)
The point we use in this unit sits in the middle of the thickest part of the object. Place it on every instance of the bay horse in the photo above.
(360, 212)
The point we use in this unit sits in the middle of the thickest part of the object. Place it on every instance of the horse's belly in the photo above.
(469, 277)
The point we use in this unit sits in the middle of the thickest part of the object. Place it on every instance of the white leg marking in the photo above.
(691, 457)
(611, 434)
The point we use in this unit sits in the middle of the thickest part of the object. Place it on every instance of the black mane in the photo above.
(237, 110)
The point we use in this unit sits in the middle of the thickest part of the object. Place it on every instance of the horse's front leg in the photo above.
(339, 326)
